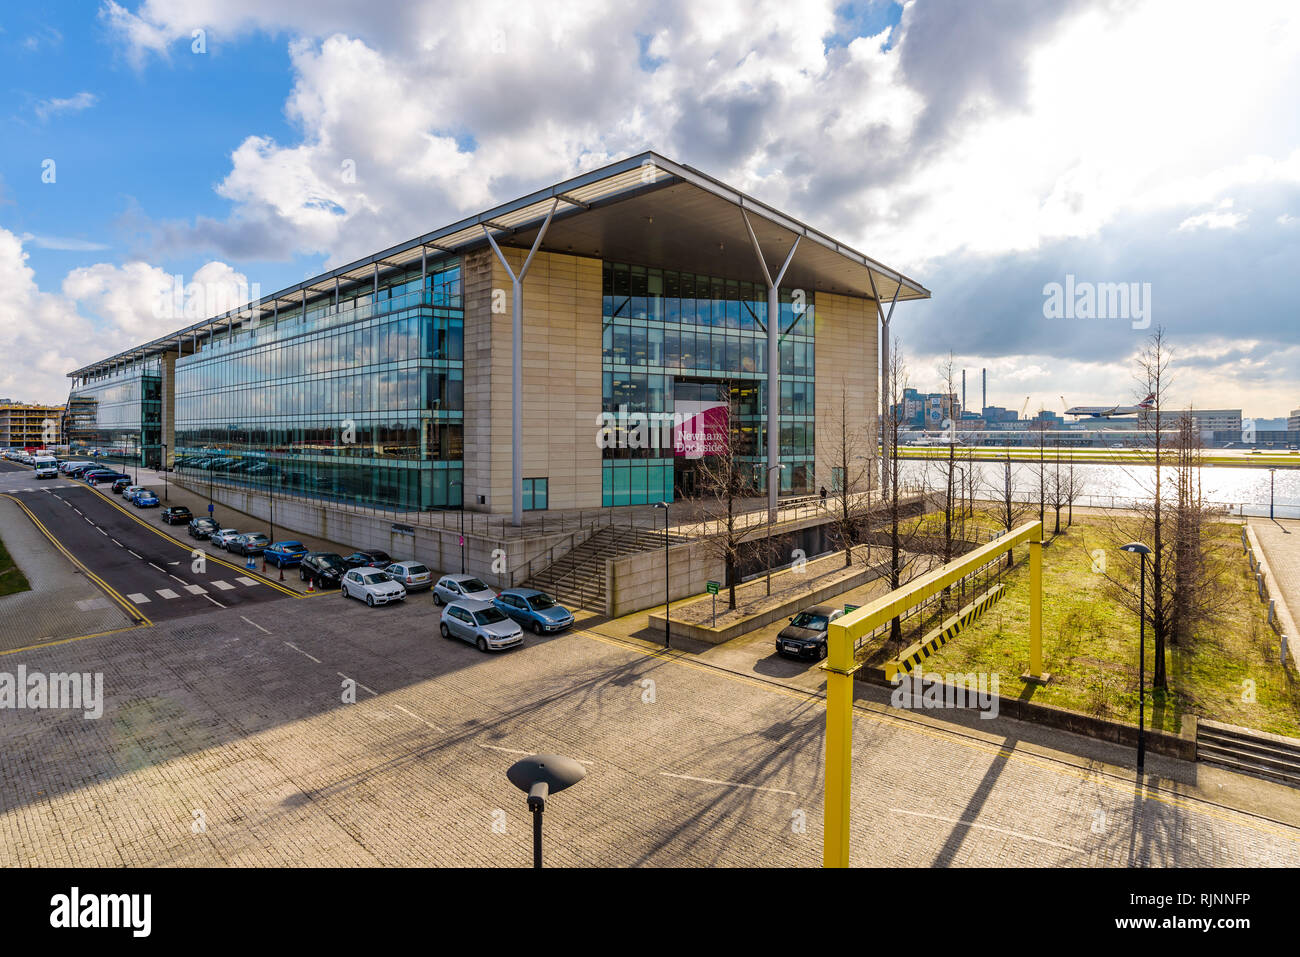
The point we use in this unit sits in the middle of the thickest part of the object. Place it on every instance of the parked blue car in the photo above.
(534, 609)
(280, 554)
(144, 499)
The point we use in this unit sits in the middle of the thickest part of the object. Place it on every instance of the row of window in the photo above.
(685, 349)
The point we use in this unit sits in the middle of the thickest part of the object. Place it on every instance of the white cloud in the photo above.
(70, 104)
(1215, 219)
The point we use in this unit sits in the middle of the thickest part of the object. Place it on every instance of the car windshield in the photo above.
(257, 537)
(330, 559)
(472, 585)
(489, 616)
(541, 602)
(416, 569)
(806, 619)
(290, 546)
(373, 578)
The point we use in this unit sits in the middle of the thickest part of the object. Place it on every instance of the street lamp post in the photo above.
(1139, 549)
(770, 515)
(462, 523)
(166, 497)
(667, 591)
(539, 776)
(1271, 473)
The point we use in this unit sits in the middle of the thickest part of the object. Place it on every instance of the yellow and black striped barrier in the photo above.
(916, 653)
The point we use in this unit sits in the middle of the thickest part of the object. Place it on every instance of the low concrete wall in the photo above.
(435, 547)
(1181, 745)
(635, 582)
(801, 600)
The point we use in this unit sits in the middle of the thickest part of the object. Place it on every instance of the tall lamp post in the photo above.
(1138, 548)
(770, 515)
(462, 522)
(539, 776)
(667, 592)
(166, 497)
(1271, 473)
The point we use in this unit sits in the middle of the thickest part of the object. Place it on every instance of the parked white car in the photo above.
(461, 587)
(223, 537)
(371, 586)
(483, 625)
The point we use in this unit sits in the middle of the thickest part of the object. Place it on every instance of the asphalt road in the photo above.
(153, 573)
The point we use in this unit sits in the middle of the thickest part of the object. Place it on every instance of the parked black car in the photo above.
(104, 475)
(805, 636)
(176, 515)
(202, 527)
(120, 484)
(368, 556)
(322, 569)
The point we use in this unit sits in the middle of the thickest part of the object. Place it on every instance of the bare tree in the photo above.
(724, 482)
(1008, 510)
(847, 450)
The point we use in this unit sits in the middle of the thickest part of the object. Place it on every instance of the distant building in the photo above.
(26, 425)
(928, 410)
(1293, 421)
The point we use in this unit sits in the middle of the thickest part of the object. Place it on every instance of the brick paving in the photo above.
(1280, 542)
(225, 740)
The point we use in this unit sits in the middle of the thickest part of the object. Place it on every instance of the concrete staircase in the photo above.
(577, 578)
(1254, 752)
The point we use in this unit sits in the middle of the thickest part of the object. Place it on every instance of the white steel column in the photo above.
(517, 367)
(885, 412)
(773, 367)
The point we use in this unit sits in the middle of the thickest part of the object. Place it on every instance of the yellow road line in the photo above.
(177, 542)
(1197, 805)
(128, 606)
(65, 641)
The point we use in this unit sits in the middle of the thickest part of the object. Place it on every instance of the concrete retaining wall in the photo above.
(437, 548)
(636, 581)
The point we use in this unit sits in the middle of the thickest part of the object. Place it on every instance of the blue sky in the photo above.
(986, 149)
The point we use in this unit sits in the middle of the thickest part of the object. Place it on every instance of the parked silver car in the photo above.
(461, 587)
(371, 586)
(482, 624)
(414, 576)
(223, 538)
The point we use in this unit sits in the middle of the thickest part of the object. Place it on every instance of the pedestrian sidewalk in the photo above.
(1279, 541)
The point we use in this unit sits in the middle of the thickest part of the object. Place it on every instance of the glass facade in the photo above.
(674, 336)
(119, 413)
(360, 400)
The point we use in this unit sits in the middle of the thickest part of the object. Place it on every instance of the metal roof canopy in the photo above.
(645, 209)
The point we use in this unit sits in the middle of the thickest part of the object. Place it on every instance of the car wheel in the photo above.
(302, 574)
(537, 628)
(446, 632)
(437, 599)
(482, 644)
(821, 652)
(370, 600)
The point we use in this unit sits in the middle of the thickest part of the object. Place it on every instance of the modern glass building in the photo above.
(119, 412)
(480, 363)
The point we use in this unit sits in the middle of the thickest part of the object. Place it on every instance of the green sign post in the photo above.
(712, 588)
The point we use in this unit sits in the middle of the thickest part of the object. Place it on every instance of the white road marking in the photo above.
(167, 593)
(301, 652)
(727, 784)
(418, 718)
(224, 586)
(139, 599)
(359, 684)
(988, 827)
(173, 563)
(245, 580)
(494, 747)
(163, 570)
(253, 623)
(196, 589)
(213, 600)
(137, 556)
(102, 532)
(117, 543)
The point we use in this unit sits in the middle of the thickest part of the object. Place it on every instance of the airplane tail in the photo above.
(1149, 401)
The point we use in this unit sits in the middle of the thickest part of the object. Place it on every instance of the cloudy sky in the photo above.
(987, 149)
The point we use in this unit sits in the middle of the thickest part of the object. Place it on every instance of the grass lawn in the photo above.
(11, 577)
(1090, 643)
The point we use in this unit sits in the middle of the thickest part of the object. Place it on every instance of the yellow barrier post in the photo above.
(1035, 673)
(840, 666)
(841, 663)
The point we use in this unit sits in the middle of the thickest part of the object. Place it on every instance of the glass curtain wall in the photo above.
(663, 328)
(119, 413)
(362, 401)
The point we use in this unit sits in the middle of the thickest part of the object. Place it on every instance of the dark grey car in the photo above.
(805, 636)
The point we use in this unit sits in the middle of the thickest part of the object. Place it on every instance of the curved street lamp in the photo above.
(1137, 548)
(540, 776)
